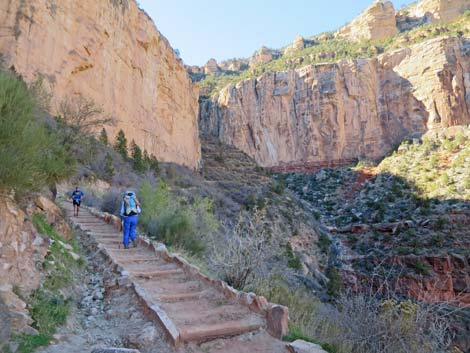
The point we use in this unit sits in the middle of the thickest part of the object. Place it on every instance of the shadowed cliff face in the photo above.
(331, 114)
(108, 51)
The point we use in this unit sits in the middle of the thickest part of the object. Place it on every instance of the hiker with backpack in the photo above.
(76, 197)
(130, 209)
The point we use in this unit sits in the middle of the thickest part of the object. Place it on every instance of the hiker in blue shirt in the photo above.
(76, 197)
(130, 209)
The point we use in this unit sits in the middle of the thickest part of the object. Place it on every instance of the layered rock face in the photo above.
(22, 251)
(331, 114)
(438, 10)
(108, 51)
(377, 22)
(263, 55)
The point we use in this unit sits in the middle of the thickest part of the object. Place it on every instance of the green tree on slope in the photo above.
(121, 144)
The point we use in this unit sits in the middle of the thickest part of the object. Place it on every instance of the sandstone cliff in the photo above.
(377, 22)
(437, 10)
(111, 52)
(334, 113)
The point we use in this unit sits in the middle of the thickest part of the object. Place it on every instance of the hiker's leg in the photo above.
(127, 228)
(133, 227)
(78, 208)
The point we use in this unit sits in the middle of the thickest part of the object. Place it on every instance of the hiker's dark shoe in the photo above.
(134, 243)
(126, 246)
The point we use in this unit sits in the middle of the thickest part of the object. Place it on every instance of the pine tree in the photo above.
(104, 137)
(109, 166)
(146, 160)
(153, 164)
(121, 144)
(136, 153)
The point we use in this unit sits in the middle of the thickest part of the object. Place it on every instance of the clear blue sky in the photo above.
(222, 29)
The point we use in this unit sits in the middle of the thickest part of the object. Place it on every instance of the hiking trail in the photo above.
(193, 311)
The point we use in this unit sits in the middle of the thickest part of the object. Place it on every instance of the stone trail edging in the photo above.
(277, 316)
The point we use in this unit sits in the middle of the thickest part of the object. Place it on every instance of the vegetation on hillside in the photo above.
(31, 154)
(49, 306)
(331, 49)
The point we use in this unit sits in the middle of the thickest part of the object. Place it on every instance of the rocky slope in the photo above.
(411, 212)
(404, 223)
(335, 113)
(22, 253)
(110, 52)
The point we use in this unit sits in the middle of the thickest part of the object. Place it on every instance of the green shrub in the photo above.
(29, 343)
(324, 243)
(292, 260)
(335, 285)
(278, 187)
(30, 156)
(421, 268)
(176, 221)
(441, 222)
(48, 311)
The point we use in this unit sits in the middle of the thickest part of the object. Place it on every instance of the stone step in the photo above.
(208, 314)
(180, 297)
(157, 274)
(202, 332)
(155, 260)
(150, 265)
(165, 285)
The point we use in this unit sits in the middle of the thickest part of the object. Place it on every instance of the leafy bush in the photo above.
(175, 220)
(30, 155)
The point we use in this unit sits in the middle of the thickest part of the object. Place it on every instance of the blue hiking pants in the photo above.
(130, 225)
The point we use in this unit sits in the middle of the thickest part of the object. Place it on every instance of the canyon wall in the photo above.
(108, 51)
(333, 113)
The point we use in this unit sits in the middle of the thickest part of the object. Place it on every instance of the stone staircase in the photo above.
(191, 307)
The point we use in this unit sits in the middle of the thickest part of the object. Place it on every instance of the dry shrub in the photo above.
(363, 323)
(239, 257)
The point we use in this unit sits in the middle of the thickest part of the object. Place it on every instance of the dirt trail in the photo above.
(203, 318)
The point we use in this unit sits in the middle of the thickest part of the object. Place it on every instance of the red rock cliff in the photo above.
(336, 112)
